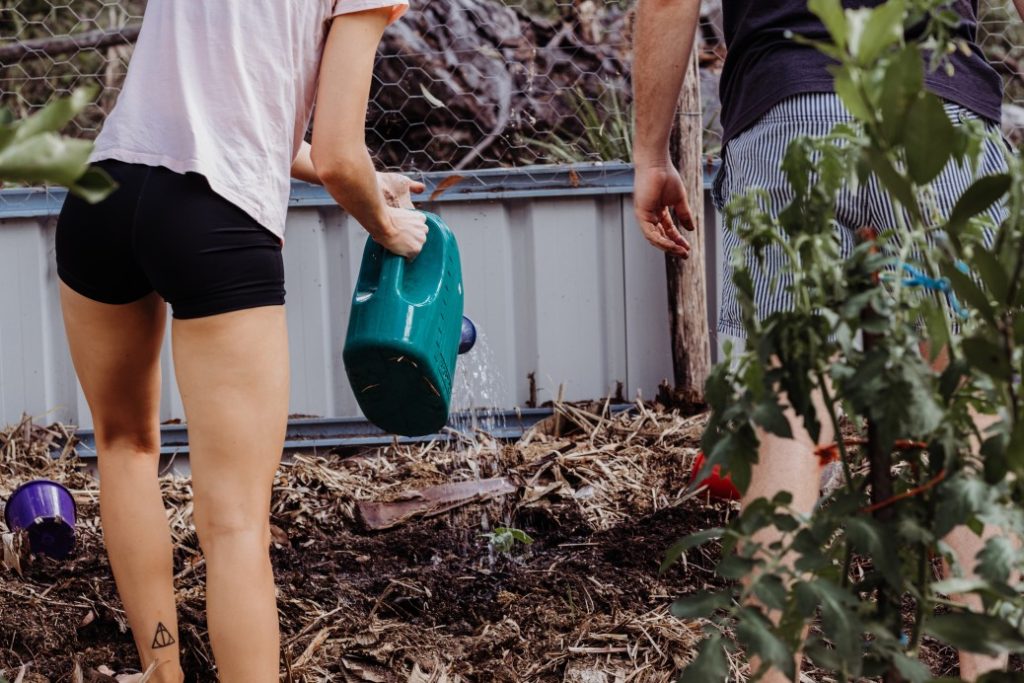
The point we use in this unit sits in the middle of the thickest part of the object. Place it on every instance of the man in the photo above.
(774, 89)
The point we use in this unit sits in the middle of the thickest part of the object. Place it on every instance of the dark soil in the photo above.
(428, 574)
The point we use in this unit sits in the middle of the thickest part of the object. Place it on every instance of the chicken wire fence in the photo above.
(460, 84)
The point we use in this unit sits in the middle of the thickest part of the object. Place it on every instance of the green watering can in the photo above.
(405, 333)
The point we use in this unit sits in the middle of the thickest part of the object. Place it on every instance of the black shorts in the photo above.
(170, 233)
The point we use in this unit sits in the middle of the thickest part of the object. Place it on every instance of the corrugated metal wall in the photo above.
(557, 277)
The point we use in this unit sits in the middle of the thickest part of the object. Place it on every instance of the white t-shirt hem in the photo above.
(183, 166)
(398, 7)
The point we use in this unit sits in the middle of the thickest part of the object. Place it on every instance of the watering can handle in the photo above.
(392, 271)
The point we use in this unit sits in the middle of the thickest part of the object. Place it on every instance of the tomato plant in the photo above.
(855, 335)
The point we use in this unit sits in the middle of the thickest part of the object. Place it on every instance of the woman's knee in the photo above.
(127, 438)
(230, 525)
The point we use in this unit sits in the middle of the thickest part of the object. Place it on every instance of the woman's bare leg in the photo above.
(232, 371)
(116, 352)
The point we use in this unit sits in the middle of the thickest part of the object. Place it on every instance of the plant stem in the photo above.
(840, 441)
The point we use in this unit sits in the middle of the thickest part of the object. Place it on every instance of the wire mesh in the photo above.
(459, 84)
(1001, 37)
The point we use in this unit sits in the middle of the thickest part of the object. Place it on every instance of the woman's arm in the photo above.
(397, 188)
(339, 156)
(302, 165)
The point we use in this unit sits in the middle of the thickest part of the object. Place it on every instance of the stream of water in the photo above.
(477, 391)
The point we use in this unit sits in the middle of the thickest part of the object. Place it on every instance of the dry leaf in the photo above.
(429, 97)
(11, 557)
(365, 672)
(446, 184)
(278, 536)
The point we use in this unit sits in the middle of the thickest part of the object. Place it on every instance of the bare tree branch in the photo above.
(38, 47)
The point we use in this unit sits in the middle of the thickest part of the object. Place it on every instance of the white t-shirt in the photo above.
(225, 88)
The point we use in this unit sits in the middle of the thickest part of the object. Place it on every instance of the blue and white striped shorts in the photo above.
(753, 160)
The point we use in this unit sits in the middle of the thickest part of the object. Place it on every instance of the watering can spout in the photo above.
(467, 339)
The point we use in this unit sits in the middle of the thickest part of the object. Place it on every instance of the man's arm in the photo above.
(665, 32)
(1019, 4)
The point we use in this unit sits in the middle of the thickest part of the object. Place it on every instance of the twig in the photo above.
(917, 490)
(98, 39)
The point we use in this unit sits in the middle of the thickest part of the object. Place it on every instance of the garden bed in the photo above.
(429, 600)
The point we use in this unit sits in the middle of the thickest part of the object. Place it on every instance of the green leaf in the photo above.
(56, 115)
(735, 567)
(882, 28)
(938, 331)
(997, 559)
(1015, 449)
(756, 634)
(928, 137)
(994, 458)
(711, 664)
(673, 554)
(46, 157)
(94, 185)
(992, 273)
(769, 415)
(979, 197)
(904, 80)
(833, 17)
(999, 677)
(981, 633)
(960, 586)
(839, 620)
(851, 96)
(700, 605)
(771, 591)
(911, 669)
(969, 291)
(823, 656)
(987, 357)
(870, 538)
(894, 182)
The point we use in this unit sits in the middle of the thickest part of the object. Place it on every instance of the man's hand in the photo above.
(656, 192)
(398, 189)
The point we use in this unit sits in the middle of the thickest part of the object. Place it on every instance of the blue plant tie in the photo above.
(917, 278)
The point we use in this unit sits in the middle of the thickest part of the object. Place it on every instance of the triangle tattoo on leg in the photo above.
(163, 637)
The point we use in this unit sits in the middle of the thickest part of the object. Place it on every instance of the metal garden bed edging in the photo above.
(489, 184)
(314, 434)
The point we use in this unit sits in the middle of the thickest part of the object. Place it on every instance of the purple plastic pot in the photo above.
(46, 510)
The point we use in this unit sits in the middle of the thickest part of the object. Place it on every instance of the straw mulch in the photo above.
(429, 601)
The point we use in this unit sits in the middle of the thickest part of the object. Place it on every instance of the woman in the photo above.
(211, 119)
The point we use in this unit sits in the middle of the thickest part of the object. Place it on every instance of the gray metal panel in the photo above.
(35, 367)
(649, 352)
(561, 286)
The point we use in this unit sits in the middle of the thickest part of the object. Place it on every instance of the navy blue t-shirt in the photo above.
(764, 67)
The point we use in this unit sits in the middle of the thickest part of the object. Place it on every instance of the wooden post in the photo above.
(687, 282)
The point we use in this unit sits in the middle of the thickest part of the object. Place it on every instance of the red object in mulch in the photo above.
(718, 486)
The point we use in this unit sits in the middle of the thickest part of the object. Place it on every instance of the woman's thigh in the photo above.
(115, 349)
(232, 371)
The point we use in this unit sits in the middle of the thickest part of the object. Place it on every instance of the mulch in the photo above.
(429, 600)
